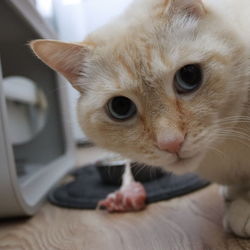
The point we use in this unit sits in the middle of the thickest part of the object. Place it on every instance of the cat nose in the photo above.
(172, 145)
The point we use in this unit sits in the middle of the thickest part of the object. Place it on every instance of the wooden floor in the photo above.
(192, 222)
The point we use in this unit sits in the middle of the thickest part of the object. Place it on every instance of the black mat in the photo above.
(88, 188)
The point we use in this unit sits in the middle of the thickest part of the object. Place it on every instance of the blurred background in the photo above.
(40, 139)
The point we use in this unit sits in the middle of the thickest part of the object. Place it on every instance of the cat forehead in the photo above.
(144, 60)
(124, 33)
(146, 48)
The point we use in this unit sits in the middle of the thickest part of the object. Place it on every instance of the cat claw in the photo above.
(129, 198)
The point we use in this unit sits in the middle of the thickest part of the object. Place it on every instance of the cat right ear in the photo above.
(66, 58)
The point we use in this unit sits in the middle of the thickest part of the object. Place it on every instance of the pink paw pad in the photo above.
(128, 198)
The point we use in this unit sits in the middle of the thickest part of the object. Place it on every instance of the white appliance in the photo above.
(36, 143)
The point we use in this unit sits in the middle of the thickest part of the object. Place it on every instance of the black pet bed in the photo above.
(93, 183)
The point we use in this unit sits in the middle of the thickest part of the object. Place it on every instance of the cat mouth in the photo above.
(179, 158)
(183, 161)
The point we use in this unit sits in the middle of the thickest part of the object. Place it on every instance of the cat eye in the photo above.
(121, 108)
(188, 78)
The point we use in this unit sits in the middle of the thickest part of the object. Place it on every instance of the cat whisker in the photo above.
(219, 152)
(233, 132)
(236, 138)
(141, 167)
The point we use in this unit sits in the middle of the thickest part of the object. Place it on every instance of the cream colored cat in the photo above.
(167, 84)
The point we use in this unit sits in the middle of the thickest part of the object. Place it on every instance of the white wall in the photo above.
(99, 12)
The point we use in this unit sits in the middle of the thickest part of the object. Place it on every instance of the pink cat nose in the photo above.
(172, 145)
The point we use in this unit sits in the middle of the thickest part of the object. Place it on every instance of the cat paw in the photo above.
(237, 218)
(129, 198)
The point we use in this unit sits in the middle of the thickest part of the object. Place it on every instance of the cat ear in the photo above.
(192, 7)
(66, 58)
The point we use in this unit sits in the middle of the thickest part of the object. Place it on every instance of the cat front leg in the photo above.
(237, 215)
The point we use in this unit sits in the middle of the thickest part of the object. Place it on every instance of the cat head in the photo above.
(158, 83)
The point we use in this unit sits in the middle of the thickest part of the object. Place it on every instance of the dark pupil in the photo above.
(121, 106)
(191, 75)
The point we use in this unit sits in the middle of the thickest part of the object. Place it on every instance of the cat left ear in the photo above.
(66, 58)
(192, 7)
